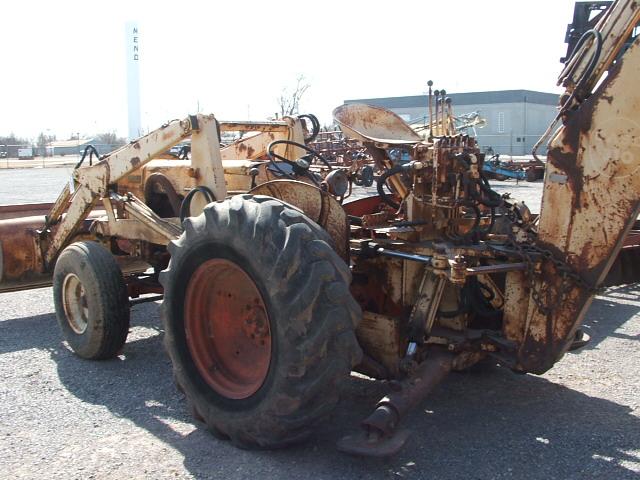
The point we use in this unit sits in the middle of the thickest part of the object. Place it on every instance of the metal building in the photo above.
(515, 119)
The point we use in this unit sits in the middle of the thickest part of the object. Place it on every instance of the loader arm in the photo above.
(89, 184)
(255, 145)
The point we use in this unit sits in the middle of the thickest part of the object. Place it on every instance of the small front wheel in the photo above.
(91, 301)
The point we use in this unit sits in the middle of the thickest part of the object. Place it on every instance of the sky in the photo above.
(64, 62)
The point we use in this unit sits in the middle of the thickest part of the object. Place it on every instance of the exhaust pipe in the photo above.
(379, 437)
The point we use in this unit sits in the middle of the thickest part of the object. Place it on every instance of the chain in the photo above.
(530, 249)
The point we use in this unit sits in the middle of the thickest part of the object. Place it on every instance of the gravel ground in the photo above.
(32, 185)
(63, 417)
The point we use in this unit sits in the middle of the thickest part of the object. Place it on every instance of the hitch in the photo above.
(379, 436)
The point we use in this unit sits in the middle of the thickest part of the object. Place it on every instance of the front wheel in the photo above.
(91, 301)
(259, 320)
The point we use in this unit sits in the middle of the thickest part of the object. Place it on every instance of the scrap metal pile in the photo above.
(340, 151)
(525, 169)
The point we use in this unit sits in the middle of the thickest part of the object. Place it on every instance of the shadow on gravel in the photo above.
(602, 322)
(40, 332)
(490, 425)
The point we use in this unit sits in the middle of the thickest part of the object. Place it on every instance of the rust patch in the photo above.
(566, 159)
(578, 123)
(538, 355)
(364, 206)
(370, 287)
(608, 98)
(135, 161)
(244, 150)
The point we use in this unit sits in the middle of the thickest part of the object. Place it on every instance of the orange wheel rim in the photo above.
(227, 329)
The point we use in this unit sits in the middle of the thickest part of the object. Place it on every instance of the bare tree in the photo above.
(42, 141)
(11, 139)
(289, 101)
(110, 138)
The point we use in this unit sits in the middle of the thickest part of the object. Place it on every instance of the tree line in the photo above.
(40, 143)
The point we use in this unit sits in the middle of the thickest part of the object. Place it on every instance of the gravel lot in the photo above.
(63, 417)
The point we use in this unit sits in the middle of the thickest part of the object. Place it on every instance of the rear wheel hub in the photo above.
(227, 327)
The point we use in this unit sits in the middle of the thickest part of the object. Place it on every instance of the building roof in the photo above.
(70, 143)
(468, 98)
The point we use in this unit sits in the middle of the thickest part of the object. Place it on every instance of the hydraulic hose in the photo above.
(315, 127)
(186, 203)
(381, 183)
(494, 199)
(90, 150)
(579, 86)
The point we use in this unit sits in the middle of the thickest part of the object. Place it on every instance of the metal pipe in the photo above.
(150, 298)
(369, 249)
(379, 437)
(442, 116)
(503, 267)
(437, 94)
(430, 84)
(404, 256)
(411, 392)
(450, 126)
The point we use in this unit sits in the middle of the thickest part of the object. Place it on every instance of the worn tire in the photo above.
(312, 315)
(532, 175)
(95, 318)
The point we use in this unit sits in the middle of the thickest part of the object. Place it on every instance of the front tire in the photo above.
(91, 301)
(259, 320)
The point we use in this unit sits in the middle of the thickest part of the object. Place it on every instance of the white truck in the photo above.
(25, 153)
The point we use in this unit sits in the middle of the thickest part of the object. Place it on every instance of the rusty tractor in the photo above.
(274, 289)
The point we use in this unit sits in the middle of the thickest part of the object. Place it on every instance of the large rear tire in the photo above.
(91, 301)
(259, 320)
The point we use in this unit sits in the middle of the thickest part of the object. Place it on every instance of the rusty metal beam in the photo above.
(246, 126)
(590, 202)
(91, 183)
